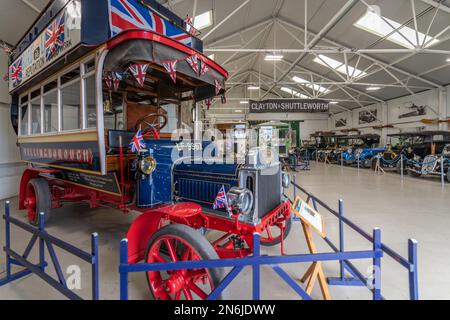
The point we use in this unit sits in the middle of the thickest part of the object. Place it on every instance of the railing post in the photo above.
(42, 241)
(8, 239)
(377, 264)
(295, 188)
(95, 260)
(413, 279)
(401, 166)
(123, 273)
(256, 267)
(341, 236)
(442, 171)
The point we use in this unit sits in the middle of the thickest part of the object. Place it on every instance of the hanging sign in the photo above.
(289, 105)
(309, 216)
(61, 35)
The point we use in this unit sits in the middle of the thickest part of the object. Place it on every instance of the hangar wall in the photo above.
(10, 165)
(391, 111)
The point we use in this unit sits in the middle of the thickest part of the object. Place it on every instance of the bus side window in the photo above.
(23, 115)
(91, 102)
(35, 97)
(70, 100)
(51, 107)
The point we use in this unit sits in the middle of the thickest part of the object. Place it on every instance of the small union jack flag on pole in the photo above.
(221, 200)
(139, 71)
(171, 67)
(194, 63)
(137, 143)
(54, 37)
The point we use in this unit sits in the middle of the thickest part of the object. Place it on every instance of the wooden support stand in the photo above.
(311, 219)
(378, 168)
(315, 271)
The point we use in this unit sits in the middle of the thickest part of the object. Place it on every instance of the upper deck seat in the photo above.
(114, 139)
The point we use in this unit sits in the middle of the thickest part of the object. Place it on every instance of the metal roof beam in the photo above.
(322, 33)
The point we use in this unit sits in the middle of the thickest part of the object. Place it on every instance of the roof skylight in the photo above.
(294, 93)
(338, 66)
(382, 26)
(310, 85)
(203, 20)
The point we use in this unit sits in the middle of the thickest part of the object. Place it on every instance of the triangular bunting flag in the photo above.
(139, 71)
(193, 62)
(208, 103)
(218, 87)
(171, 67)
(116, 78)
(108, 81)
(204, 68)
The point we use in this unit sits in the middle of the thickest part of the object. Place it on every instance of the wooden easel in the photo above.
(315, 271)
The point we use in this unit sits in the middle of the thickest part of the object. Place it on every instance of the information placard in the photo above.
(309, 216)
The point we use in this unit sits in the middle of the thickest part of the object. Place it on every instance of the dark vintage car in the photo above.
(430, 155)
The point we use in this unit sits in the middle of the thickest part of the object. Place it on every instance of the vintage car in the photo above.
(400, 146)
(428, 149)
(107, 80)
(433, 165)
(362, 150)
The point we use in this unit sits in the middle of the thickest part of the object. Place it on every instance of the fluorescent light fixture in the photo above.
(243, 102)
(373, 88)
(271, 57)
(448, 60)
(203, 20)
(338, 66)
(253, 88)
(238, 111)
(310, 85)
(382, 26)
(334, 102)
(294, 93)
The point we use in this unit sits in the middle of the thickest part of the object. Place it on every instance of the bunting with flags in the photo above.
(218, 86)
(171, 67)
(193, 61)
(139, 71)
(204, 68)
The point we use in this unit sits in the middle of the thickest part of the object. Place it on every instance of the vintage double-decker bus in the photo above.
(85, 80)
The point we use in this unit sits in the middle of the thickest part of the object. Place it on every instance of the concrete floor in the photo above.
(412, 208)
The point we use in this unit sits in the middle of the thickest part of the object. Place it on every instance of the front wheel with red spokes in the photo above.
(271, 236)
(37, 200)
(174, 243)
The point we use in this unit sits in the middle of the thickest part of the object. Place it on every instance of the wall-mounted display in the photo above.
(339, 123)
(412, 110)
(368, 116)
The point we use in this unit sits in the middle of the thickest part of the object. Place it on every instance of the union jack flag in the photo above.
(171, 67)
(139, 71)
(193, 62)
(218, 86)
(130, 14)
(204, 68)
(221, 200)
(54, 37)
(137, 143)
(16, 73)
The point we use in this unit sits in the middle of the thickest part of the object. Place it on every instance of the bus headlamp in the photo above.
(147, 165)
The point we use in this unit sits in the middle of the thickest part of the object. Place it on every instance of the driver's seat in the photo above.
(114, 139)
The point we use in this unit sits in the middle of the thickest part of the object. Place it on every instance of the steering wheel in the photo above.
(158, 122)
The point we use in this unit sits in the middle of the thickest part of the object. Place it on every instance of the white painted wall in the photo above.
(10, 166)
(396, 107)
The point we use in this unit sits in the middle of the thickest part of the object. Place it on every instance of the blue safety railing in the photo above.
(255, 261)
(48, 241)
(357, 278)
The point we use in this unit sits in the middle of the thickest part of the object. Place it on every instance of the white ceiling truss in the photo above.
(245, 48)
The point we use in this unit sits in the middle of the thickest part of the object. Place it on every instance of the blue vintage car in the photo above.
(362, 149)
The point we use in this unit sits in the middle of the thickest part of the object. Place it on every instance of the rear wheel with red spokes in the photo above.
(174, 243)
(272, 235)
(37, 200)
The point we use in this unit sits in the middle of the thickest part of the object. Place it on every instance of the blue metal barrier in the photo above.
(357, 279)
(46, 241)
(255, 261)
